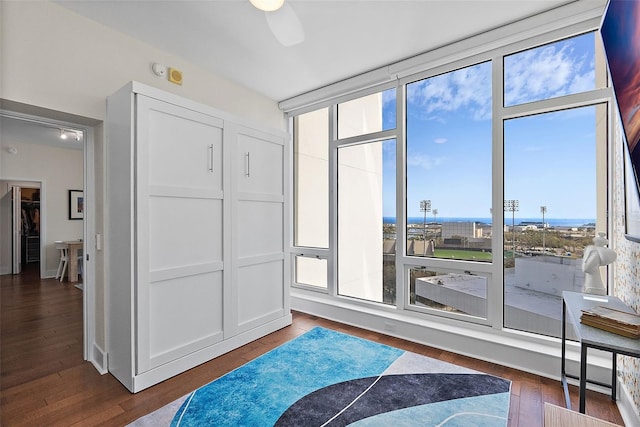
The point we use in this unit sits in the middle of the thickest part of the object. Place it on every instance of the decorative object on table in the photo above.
(329, 378)
(596, 256)
(612, 320)
(76, 204)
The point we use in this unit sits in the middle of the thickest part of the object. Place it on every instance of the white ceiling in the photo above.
(342, 38)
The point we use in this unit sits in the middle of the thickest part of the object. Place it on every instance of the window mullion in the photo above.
(332, 261)
(402, 285)
(495, 293)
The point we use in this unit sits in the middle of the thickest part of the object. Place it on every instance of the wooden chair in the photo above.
(64, 258)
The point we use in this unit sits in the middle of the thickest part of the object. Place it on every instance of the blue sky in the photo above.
(549, 159)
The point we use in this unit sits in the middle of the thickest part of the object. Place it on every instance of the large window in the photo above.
(501, 188)
(449, 165)
(550, 173)
(366, 261)
(552, 164)
(311, 198)
(311, 180)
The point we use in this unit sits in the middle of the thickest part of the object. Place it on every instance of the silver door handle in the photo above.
(211, 158)
(247, 165)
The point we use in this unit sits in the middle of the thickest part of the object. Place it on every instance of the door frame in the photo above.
(16, 248)
(16, 230)
(89, 223)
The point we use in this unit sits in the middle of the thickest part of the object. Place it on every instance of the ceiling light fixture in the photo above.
(267, 5)
(75, 134)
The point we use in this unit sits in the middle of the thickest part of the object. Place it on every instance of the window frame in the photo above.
(492, 270)
(370, 138)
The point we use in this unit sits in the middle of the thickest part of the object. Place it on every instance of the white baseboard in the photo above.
(99, 359)
(628, 409)
(177, 366)
(49, 274)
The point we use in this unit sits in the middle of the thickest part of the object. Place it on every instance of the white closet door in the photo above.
(179, 214)
(260, 163)
(258, 204)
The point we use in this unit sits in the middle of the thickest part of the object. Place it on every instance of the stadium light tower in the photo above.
(512, 206)
(543, 210)
(425, 206)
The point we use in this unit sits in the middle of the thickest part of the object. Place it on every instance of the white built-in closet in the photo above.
(196, 234)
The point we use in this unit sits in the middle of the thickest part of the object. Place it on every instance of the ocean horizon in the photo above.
(552, 222)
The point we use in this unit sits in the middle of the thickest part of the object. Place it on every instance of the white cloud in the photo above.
(546, 72)
(582, 82)
(425, 162)
(468, 88)
(440, 140)
(388, 96)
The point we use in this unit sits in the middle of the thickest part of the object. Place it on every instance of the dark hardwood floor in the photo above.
(45, 382)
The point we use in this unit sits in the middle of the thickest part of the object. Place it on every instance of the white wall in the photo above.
(626, 274)
(55, 58)
(58, 60)
(59, 170)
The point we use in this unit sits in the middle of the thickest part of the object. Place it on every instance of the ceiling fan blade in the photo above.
(285, 26)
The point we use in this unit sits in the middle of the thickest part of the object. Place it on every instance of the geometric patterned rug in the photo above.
(327, 378)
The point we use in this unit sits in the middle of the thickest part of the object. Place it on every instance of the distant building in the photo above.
(468, 230)
(533, 297)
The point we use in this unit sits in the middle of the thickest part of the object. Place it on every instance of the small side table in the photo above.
(589, 337)
(75, 250)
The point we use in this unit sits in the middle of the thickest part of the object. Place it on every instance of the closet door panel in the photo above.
(185, 148)
(260, 293)
(179, 222)
(259, 225)
(176, 226)
(260, 159)
(181, 319)
(261, 228)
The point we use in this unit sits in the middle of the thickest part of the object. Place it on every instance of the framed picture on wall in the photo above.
(76, 204)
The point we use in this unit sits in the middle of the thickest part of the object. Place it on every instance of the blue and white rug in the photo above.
(327, 378)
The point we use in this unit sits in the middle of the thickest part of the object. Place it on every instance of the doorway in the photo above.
(21, 225)
(44, 160)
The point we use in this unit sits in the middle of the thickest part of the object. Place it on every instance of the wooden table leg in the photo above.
(73, 266)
